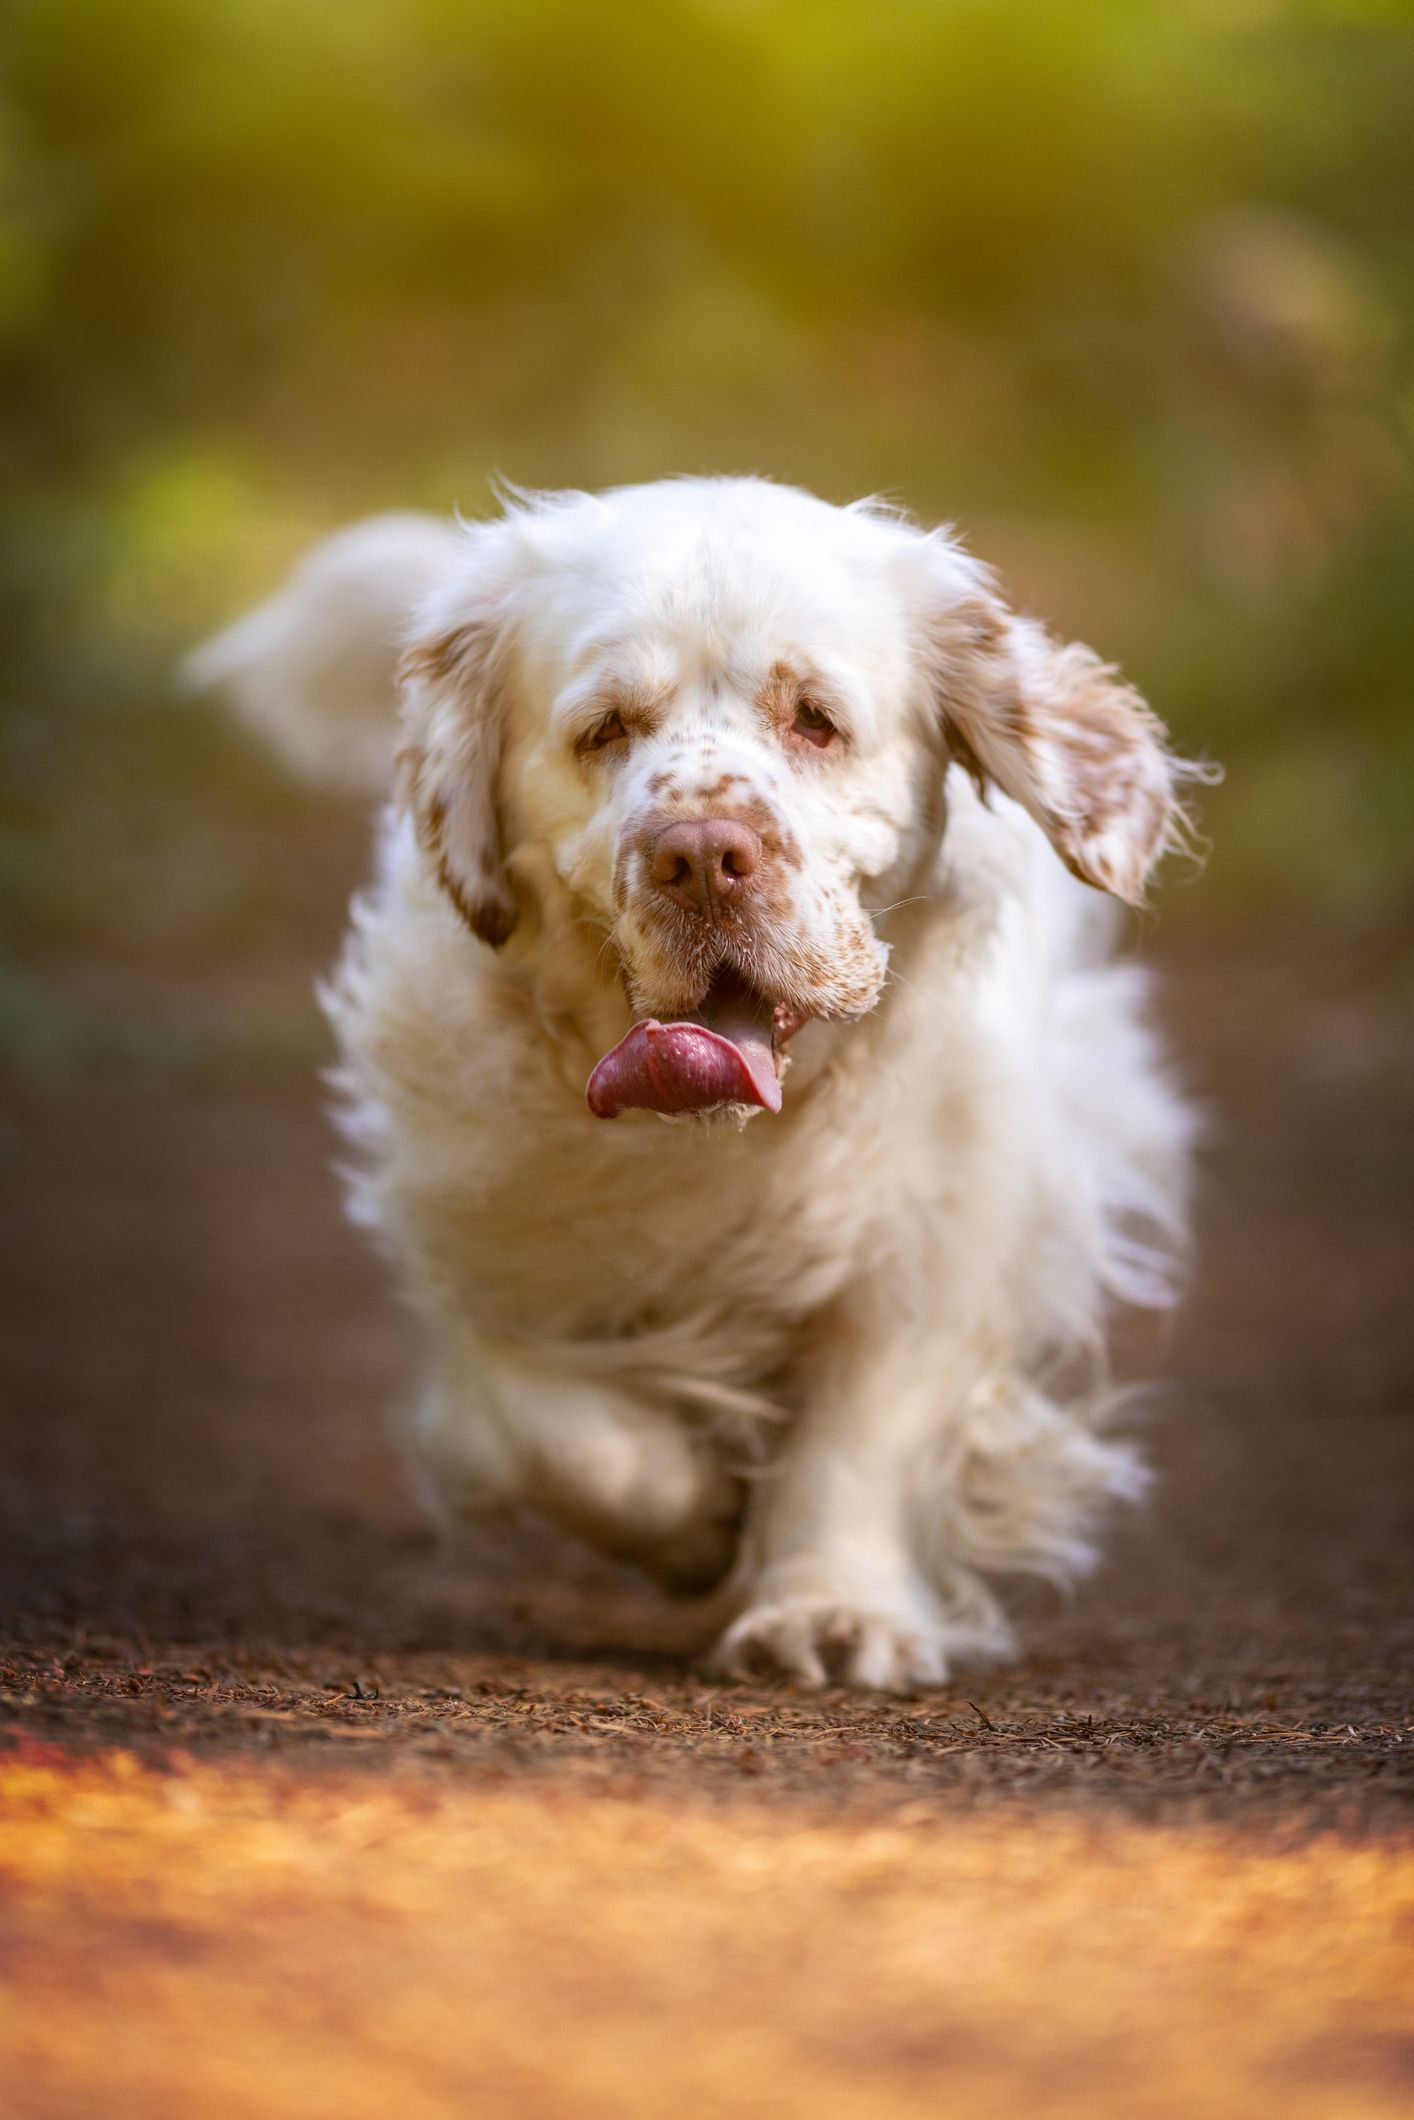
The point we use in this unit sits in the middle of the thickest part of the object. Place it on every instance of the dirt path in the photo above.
(301, 1814)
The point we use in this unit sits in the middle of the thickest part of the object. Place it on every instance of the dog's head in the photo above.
(709, 722)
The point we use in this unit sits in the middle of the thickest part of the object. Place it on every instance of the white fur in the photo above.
(853, 1352)
(314, 669)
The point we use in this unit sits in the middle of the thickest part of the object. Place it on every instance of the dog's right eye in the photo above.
(609, 731)
(814, 724)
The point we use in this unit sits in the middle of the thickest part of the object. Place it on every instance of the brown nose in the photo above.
(704, 862)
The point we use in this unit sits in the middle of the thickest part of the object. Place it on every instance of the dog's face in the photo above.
(711, 721)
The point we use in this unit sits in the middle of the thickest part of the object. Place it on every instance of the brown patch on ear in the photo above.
(489, 914)
(967, 672)
(961, 753)
(1062, 734)
(448, 774)
(1098, 760)
(435, 661)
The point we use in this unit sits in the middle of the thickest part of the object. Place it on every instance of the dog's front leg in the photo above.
(836, 1584)
(502, 1426)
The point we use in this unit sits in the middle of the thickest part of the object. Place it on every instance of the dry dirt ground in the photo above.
(302, 1814)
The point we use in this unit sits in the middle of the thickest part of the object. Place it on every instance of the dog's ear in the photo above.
(454, 678)
(1062, 734)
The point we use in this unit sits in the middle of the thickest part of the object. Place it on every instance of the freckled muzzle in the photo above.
(718, 906)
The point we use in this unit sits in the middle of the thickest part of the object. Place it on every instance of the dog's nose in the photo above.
(704, 862)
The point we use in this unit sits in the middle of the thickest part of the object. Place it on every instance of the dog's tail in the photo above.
(314, 670)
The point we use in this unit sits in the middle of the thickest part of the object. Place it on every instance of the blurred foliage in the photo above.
(1123, 288)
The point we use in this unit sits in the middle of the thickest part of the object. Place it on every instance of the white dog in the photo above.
(738, 1081)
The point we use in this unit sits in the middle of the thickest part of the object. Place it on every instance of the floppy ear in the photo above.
(449, 770)
(1062, 734)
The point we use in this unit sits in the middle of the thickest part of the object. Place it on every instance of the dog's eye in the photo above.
(814, 724)
(610, 730)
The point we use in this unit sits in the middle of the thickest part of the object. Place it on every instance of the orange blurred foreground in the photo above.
(223, 1940)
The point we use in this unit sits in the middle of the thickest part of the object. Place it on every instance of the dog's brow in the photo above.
(780, 690)
(635, 694)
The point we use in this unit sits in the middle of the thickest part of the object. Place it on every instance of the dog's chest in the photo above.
(578, 1228)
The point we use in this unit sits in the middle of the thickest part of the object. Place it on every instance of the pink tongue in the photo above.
(689, 1067)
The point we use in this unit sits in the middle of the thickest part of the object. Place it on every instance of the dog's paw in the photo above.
(815, 1641)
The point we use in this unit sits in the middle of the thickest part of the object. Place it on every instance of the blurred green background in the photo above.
(1123, 289)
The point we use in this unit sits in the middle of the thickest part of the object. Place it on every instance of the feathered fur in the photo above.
(853, 1353)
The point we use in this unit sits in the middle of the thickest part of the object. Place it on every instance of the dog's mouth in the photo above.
(729, 1051)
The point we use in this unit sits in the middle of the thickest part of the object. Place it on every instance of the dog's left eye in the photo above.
(814, 724)
(608, 731)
